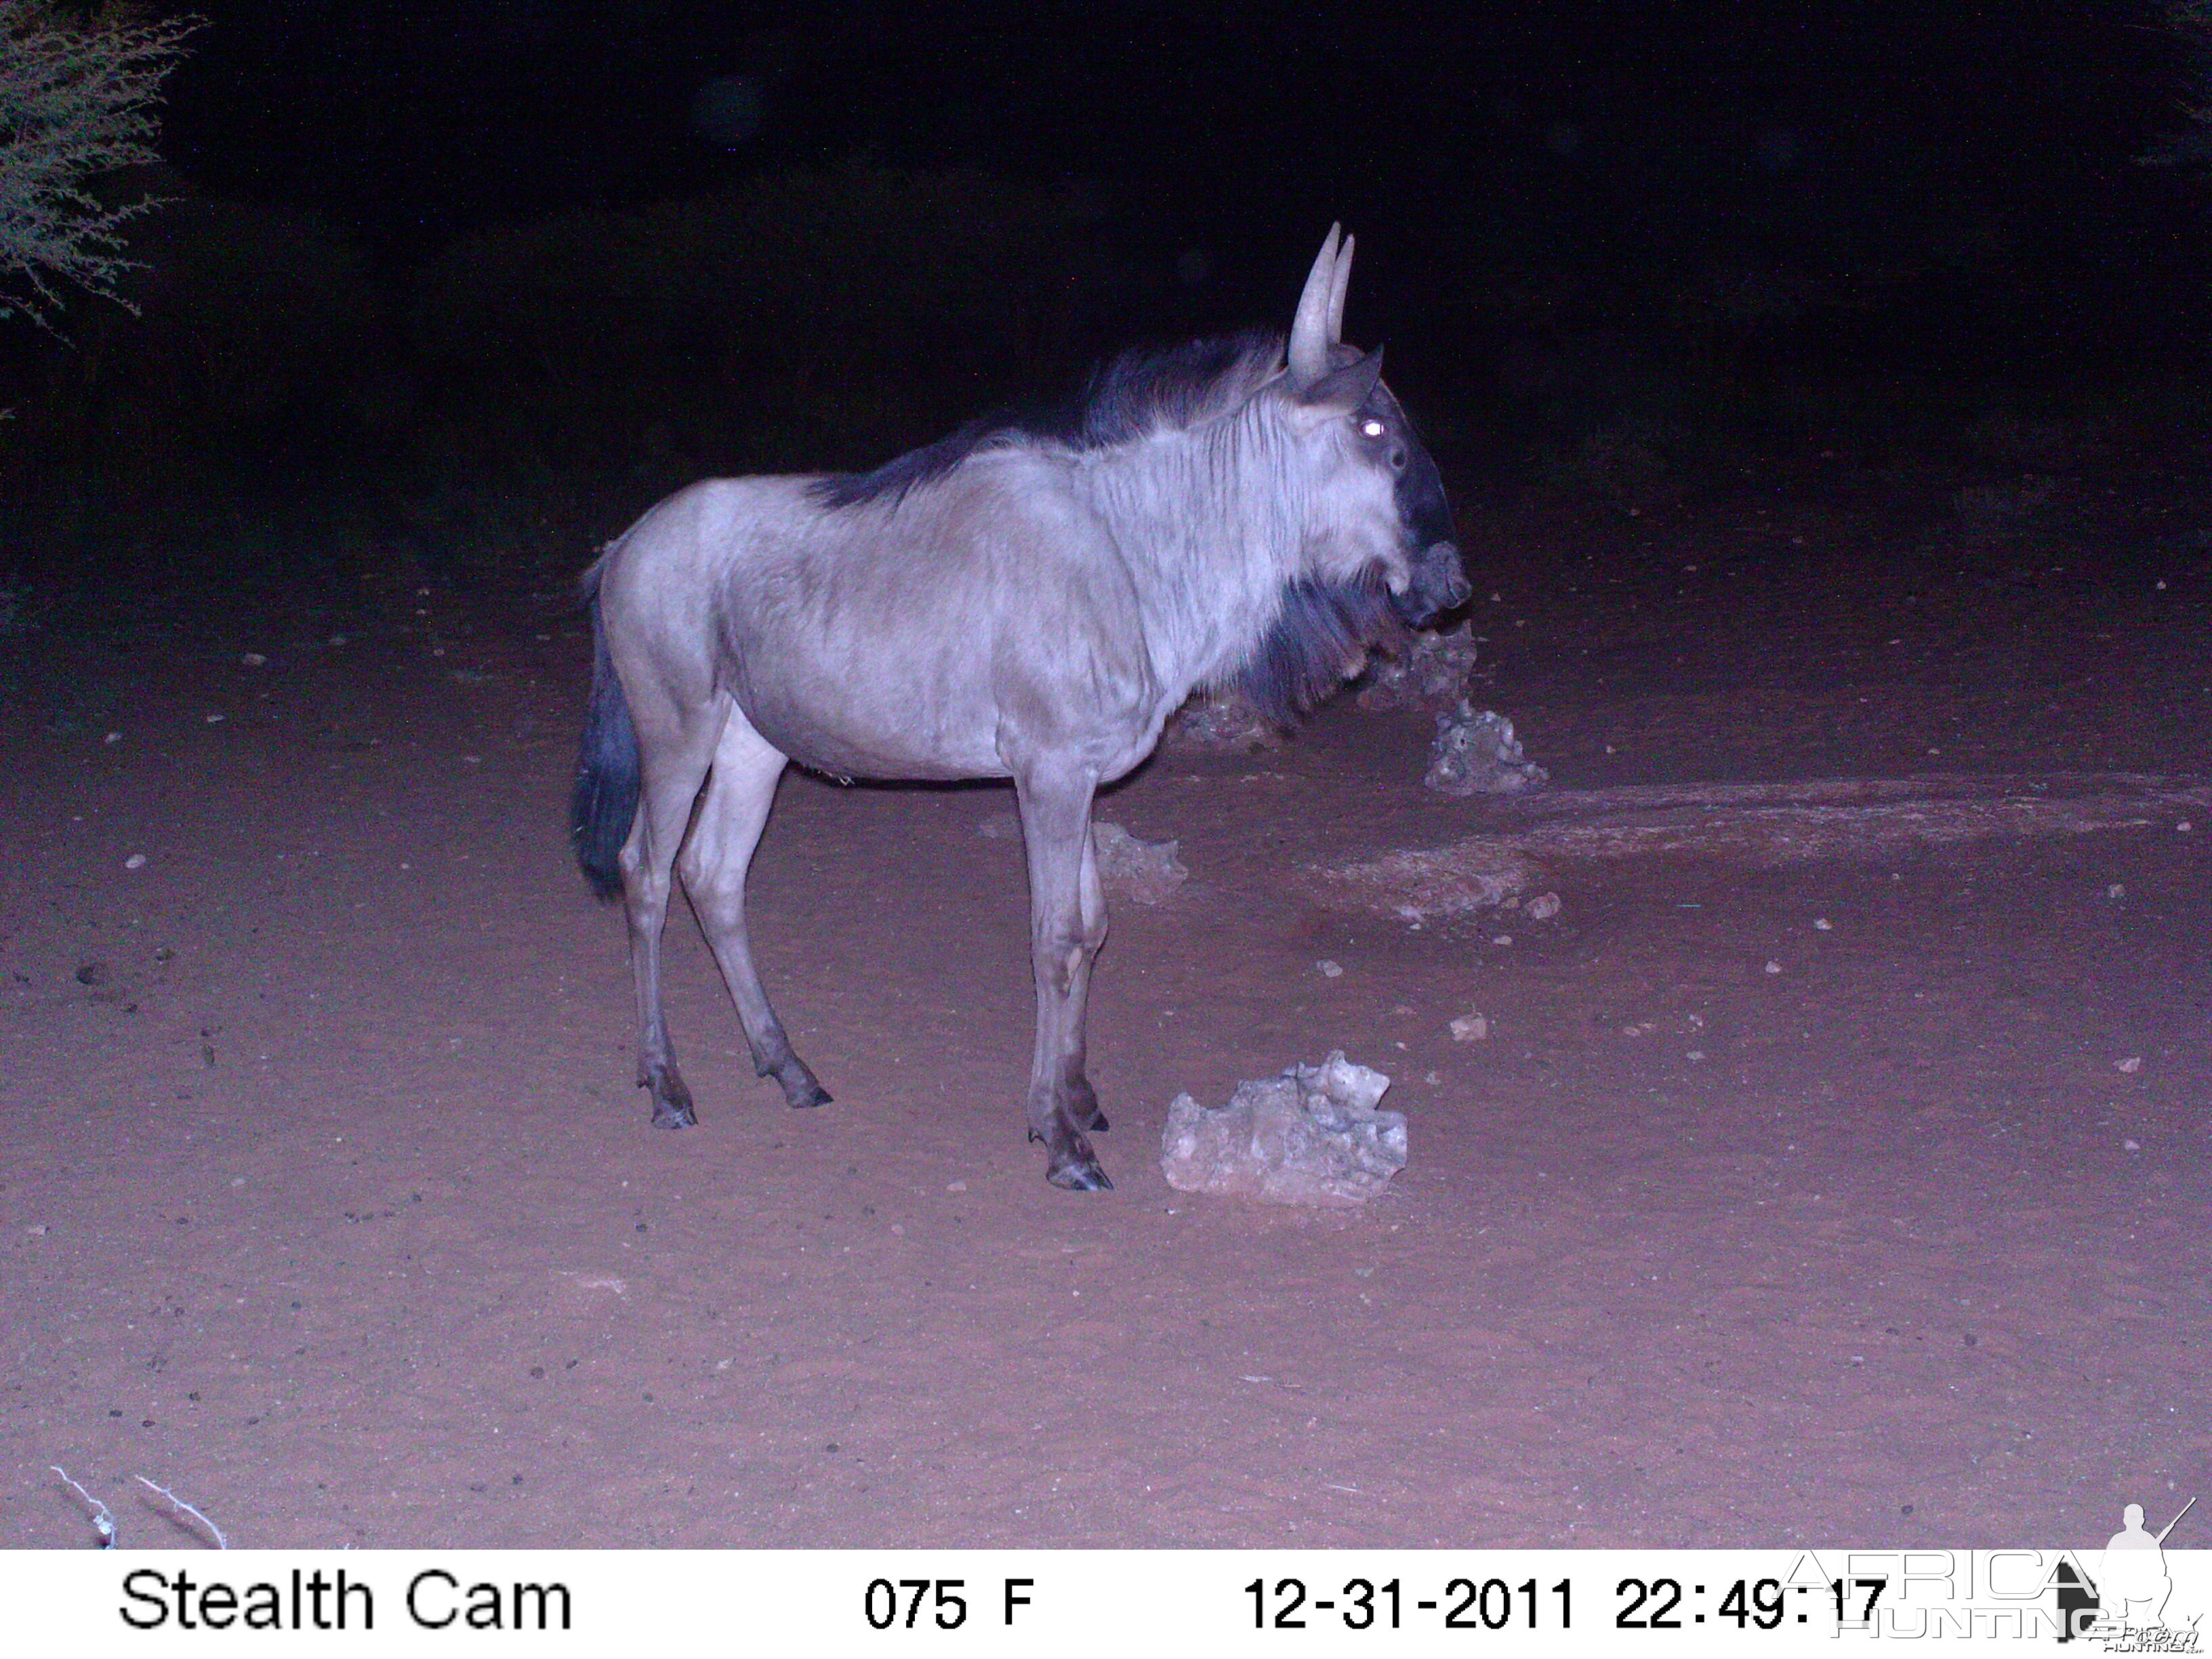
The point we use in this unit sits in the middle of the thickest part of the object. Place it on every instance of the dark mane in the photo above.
(917, 466)
(1143, 390)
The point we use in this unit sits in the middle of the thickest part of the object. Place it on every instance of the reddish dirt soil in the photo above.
(328, 1201)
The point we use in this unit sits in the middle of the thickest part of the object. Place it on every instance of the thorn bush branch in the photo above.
(214, 1531)
(103, 1518)
(76, 102)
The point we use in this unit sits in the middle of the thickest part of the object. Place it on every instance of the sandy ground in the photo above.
(326, 1200)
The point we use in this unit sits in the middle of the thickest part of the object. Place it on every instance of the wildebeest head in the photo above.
(1378, 506)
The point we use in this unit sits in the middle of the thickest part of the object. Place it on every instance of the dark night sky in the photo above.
(1776, 127)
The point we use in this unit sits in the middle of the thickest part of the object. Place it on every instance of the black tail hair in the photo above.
(605, 804)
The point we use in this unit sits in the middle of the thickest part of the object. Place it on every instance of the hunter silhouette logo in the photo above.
(2124, 1608)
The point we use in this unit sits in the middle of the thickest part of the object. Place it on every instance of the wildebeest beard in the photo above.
(1317, 643)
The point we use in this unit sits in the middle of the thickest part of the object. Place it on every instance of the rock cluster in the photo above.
(1476, 753)
(1313, 1135)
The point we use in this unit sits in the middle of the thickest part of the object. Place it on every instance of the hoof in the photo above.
(1079, 1176)
(806, 1095)
(671, 1100)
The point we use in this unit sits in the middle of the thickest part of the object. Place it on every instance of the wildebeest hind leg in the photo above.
(740, 791)
(675, 752)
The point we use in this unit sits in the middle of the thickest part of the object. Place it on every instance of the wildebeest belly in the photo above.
(955, 707)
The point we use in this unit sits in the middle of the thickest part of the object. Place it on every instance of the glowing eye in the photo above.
(1372, 428)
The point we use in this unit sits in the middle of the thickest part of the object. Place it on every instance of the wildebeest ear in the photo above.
(1343, 390)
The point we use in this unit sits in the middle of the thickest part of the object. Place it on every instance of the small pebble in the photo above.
(2184, 827)
(1543, 907)
(1823, 924)
(136, 861)
(1431, 1079)
(2132, 1064)
(1773, 967)
(215, 720)
(114, 737)
(1695, 1053)
(254, 660)
(338, 639)
(2116, 891)
(1471, 1028)
(2131, 1146)
(1329, 969)
(1502, 938)
(956, 1185)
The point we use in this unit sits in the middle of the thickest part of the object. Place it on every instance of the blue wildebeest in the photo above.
(1029, 599)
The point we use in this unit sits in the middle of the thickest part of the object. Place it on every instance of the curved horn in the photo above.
(1310, 335)
(1343, 281)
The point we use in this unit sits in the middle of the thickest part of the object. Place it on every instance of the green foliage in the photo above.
(76, 102)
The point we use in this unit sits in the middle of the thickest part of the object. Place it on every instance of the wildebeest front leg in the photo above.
(1068, 923)
(740, 791)
(1082, 1099)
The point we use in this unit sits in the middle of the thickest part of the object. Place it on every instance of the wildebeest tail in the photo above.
(605, 804)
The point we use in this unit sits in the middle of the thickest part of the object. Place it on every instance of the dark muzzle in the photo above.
(1439, 585)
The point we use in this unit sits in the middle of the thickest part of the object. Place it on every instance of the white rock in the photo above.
(1330, 969)
(1219, 722)
(136, 861)
(1543, 907)
(1475, 753)
(1144, 871)
(1471, 1028)
(2133, 1063)
(1313, 1135)
(1428, 671)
